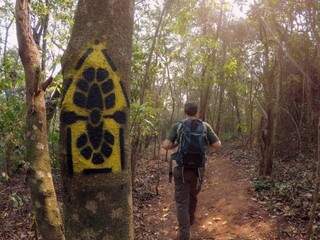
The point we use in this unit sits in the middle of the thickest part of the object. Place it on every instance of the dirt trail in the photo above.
(226, 209)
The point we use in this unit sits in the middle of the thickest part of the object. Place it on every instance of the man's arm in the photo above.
(169, 143)
(213, 139)
(217, 145)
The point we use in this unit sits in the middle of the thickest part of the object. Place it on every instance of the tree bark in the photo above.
(45, 205)
(204, 94)
(45, 24)
(94, 113)
(8, 150)
(268, 128)
(220, 105)
(316, 191)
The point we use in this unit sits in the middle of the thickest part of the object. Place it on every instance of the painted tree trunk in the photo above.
(94, 113)
(44, 201)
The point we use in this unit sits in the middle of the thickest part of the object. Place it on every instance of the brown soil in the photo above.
(227, 208)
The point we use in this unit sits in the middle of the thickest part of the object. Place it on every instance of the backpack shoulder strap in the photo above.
(205, 130)
(205, 127)
(179, 129)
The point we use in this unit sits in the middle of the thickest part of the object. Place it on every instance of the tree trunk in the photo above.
(316, 191)
(268, 127)
(44, 39)
(45, 205)
(234, 99)
(8, 151)
(220, 105)
(251, 113)
(94, 113)
(144, 86)
(204, 94)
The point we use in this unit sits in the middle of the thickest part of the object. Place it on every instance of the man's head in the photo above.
(191, 109)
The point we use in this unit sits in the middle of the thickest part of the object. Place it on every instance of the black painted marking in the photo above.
(125, 93)
(69, 152)
(79, 99)
(107, 86)
(95, 135)
(71, 117)
(83, 58)
(89, 74)
(83, 85)
(95, 97)
(86, 152)
(95, 93)
(106, 150)
(109, 60)
(110, 101)
(66, 86)
(108, 137)
(95, 171)
(102, 74)
(97, 158)
(95, 116)
(122, 150)
(82, 140)
(120, 117)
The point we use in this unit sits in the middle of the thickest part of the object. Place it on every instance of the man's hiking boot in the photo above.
(179, 237)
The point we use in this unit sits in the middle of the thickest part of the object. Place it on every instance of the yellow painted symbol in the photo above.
(93, 111)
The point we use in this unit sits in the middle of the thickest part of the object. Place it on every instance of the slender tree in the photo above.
(45, 206)
(96, 170)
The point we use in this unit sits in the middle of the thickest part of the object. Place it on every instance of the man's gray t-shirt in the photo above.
(211, 135)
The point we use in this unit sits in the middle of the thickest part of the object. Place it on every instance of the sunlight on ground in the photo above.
(218, 225)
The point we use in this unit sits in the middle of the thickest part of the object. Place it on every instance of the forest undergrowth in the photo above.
(281, 204)
(286, 197)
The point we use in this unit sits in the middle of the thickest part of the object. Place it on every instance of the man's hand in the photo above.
(167, 144)
(216, 145)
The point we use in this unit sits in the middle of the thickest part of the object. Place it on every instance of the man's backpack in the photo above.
(192, 139)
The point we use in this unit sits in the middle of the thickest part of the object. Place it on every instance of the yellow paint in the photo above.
(96, 60)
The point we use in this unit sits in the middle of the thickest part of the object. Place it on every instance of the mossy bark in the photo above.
(44, 201)
(99, 206)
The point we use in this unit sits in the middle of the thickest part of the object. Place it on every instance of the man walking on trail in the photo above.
(192, 136)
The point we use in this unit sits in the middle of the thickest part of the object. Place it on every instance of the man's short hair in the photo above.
(190, 108)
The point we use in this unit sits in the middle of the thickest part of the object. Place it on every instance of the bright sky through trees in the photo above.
(238, 10)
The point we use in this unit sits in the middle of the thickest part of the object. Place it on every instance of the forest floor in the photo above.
(229, 208)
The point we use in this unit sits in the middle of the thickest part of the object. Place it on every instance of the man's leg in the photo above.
(193, 203)
(182, 194)
(195, 187)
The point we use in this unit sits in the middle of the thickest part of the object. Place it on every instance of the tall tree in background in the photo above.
(43, 195)
(96, 170)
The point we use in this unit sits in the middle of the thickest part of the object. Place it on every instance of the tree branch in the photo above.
(28, 50)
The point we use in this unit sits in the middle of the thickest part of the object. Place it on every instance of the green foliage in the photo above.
(12, 125)
(12, 75)
(145, 118)
(53, 141)
(262, 185)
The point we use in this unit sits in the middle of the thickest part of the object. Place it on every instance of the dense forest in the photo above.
(253, 68)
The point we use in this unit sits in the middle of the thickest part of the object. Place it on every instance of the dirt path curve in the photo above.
(226, 209)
